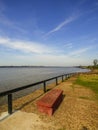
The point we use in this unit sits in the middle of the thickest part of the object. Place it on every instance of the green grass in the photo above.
(89, 81)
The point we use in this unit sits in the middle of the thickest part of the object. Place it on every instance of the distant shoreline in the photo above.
(39, 66)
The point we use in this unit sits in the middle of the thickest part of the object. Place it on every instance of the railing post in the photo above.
(44, 83)
(62, 78)
(56, 81)
(66, 76)
(10, 103)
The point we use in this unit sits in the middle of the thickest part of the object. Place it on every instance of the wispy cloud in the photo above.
(80, 51)
(25, 46)
(61, 25)
(68, 45)
(39, 48)
(81, 3)
(4, 20)
(8, 23)
(96, 3)
(42, 53)
(2, 6)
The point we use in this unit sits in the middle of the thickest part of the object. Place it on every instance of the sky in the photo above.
(48, 32)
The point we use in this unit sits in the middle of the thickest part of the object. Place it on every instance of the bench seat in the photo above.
(50, 101)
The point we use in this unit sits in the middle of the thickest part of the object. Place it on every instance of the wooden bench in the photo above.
(49, 103)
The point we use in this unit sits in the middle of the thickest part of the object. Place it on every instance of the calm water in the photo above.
(16, 77)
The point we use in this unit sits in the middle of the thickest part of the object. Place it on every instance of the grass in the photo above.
(89, 81)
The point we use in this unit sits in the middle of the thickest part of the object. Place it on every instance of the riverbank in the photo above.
(78, 110)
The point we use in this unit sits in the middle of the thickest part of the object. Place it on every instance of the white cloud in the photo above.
(80, 51)
(52, 60)
(43, 54)
(25, 46)
(73, 58)
(61, 25)
(68, 45)
(4, 40)
(39, 48)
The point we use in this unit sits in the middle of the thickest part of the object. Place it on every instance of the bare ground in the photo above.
(78, 111)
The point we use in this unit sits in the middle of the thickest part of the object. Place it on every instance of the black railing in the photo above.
(10, 92)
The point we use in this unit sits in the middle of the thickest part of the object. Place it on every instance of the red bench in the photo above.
(49, 103)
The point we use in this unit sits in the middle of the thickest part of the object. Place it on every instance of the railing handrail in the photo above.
(29, 85)
(10, 92)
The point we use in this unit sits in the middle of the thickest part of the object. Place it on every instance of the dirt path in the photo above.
(78, 111)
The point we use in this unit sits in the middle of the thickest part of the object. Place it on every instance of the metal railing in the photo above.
(10, 92)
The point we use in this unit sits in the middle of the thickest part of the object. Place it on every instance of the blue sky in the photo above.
(48, 32)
